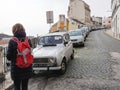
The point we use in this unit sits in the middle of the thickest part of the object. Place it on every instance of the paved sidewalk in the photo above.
(7, 83)
(110, 33)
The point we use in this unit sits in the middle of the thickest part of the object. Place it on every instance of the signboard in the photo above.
(49, 15)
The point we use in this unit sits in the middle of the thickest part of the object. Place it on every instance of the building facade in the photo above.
(68, 24)
(61, 25)
(107, 22)
(4, 41)
(79, 10)
(65, 24)
(97, 21)
(115, 5)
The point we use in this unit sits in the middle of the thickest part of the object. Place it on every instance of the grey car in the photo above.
(76, 37)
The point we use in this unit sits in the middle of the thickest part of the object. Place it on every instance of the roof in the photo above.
(4, 45)
(3, 42)
(78, 21)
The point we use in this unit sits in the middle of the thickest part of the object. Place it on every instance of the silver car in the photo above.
(76, 37)
(53, 51)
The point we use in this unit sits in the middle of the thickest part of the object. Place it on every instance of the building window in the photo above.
(73, 23)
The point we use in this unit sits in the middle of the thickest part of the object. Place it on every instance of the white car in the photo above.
(53, 51)
(76, 37)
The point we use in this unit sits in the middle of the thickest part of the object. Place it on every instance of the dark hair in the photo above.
(18, 28)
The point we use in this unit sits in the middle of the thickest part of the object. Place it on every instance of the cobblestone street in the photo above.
(95, 67)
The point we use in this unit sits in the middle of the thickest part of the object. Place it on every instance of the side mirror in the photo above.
(65, 43)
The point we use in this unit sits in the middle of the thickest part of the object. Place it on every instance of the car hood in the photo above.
(46, 51)
(76, 37)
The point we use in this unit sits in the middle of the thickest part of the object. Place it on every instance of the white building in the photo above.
(80, 11)
(107, 22)
(97, 21)
(115, 5)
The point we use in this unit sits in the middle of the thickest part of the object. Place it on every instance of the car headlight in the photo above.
(52, 60)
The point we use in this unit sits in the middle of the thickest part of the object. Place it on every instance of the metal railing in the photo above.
(5, 64)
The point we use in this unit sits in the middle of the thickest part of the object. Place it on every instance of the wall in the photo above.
(77, 10)
(72, 26)
(116, 23)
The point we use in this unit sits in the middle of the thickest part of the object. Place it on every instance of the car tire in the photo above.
(83, 44)
(63, 68)
(72, 56)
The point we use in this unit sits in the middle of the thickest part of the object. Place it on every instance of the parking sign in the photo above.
(49, 15)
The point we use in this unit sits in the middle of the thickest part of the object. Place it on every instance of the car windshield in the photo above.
(50, 40)
(75, 33)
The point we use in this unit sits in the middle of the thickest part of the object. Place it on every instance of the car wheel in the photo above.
(63, 68)
(34, 72)
(72, 56)
(83, 44)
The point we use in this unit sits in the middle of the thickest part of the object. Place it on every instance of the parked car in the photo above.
(76, 37)
(85, 31)
(53, 51)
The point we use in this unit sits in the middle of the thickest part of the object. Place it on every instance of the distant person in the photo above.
(20, 76)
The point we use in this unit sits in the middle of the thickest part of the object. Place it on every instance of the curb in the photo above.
(9, 87)
(2, 78)
(7, 84)
(111, 35)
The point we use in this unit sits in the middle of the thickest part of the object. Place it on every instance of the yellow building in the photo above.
(66, 25)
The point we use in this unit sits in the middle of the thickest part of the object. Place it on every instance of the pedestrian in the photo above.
(20, 76)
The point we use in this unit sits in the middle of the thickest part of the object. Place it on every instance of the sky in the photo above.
(32, 13)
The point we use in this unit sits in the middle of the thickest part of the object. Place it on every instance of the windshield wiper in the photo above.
(45, 45)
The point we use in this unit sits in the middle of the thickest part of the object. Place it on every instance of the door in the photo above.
(68, 46)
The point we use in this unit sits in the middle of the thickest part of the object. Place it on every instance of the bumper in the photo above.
(78, 43)
(46, 68)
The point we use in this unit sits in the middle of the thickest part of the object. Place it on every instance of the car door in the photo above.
(68, 46)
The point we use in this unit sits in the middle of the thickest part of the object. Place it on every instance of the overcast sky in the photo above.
(32, 13)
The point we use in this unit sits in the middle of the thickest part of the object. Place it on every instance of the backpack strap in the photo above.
(16, 40)
(26, 38)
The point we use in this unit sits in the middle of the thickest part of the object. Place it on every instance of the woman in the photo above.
(20, 76)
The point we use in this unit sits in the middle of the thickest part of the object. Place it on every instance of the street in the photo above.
(95, 67)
